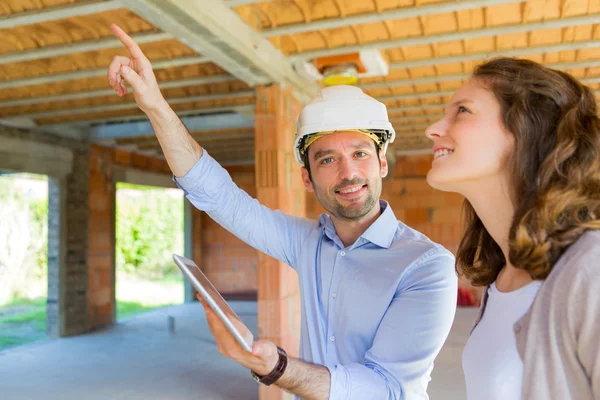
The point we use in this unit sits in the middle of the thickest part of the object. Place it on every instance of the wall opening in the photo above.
(149, 229)
(23, 258)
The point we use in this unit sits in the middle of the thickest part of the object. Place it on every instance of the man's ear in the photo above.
(306, 180)
(384, 164)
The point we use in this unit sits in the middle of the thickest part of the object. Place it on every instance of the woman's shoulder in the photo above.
(579, 266)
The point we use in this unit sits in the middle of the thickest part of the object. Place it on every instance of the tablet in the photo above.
(215, 301)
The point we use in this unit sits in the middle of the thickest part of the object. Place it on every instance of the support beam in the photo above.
(133, 105)
(151, 138)
(204, 140)
(194, 124)
(416, 96)
(213, 29)
(413, 118)
(236, 3)
(279, 187)
(416, 152)
(96, 72)
(401, 129)
(203, 80)
(229, 149)
(78, 47)
(453, 36)
(462, 77)
(429, 61)
(418, 107)
(401, 13)
(427, 95)
(58, 12)
(245, 110)
(238, 162)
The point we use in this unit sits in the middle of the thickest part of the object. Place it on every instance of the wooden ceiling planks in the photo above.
(167, 49)
(132, 110)
(100, 82)
(70, 30)
(9, 7)
(411, 103)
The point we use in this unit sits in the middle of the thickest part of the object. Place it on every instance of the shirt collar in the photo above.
(381, 232)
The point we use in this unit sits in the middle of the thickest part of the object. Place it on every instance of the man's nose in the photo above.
(347, 168)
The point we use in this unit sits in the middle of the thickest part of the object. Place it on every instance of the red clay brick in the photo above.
(122, 157)
(139, 161)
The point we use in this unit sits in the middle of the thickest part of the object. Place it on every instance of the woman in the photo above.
(521, 143)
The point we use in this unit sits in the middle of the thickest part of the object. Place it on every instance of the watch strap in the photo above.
(277, 372)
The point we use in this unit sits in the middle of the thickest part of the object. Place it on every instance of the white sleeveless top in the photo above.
(492, 366)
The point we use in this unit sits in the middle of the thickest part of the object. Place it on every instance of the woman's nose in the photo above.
(435, 130)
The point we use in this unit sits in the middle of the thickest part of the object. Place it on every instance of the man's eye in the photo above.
(326, 160)
(360, 154)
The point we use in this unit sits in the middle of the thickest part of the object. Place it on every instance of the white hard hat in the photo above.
(339, 108)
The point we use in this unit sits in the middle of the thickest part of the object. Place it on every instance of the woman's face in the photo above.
(470, 144)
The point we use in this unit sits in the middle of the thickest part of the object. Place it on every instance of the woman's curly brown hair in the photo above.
(555, 169)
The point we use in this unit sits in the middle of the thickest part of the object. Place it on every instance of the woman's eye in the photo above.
(462, 109)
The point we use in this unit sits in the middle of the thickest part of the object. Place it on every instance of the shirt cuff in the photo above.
(198, 176)
(340, 380)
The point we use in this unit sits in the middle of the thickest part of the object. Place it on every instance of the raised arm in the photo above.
(179, 147)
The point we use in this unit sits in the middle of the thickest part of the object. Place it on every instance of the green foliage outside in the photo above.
(149, 230)
(23, 236)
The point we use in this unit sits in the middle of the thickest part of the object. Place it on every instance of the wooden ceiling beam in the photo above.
(401, 13)
(213, 29)
(78, 47)
(558, 23)
(58, 12)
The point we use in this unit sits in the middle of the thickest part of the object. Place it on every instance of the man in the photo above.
(378, 298)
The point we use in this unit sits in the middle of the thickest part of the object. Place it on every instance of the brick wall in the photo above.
(75, 286)
(436, 214)
(65, 163)
(101, 232)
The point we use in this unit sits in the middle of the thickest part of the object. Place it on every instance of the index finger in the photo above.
(132, 46)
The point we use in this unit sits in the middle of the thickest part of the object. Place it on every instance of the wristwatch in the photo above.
(277, 372)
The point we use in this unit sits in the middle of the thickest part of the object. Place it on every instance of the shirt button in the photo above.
(334, 295)
(517, 328)
(332, 338)
(342, 253)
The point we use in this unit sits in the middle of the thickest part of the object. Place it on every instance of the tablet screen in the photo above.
(216, 296)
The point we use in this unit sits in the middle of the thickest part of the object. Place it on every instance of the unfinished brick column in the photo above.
(67, 310)
(101, 243)
(279, 186)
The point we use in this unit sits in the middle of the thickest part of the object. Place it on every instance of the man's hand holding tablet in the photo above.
(234, 339)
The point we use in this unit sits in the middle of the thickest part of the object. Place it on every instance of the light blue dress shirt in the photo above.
(375, 313)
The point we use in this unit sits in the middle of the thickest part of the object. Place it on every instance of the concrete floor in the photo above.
(140, 359)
